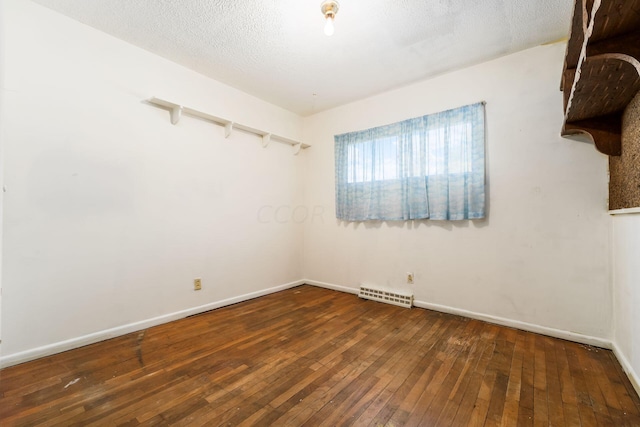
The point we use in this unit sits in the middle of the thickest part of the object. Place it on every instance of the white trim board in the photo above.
(530, 327)
(331, 286)
(626, 366)
(525, 326)
(25, 356)
(48, 350)
(624, 211)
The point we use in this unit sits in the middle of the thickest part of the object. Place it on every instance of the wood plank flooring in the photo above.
(315, 357)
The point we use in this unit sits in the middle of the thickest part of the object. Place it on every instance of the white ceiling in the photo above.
(276, 49)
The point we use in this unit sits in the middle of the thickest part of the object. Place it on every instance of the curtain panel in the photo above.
(430, 167)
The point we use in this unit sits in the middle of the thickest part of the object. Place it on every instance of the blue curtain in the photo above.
(425, 167)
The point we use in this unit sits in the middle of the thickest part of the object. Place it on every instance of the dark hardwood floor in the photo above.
(311, 356)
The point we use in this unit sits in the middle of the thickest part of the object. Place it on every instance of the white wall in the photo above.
(626, 292)
(541, 256)
(110, 211)
(2, 27)
(626, 267)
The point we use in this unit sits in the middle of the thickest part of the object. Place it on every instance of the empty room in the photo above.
(320, 213)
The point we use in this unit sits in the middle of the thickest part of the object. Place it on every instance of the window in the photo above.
(426, 167)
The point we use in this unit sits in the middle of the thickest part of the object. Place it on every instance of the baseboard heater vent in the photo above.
(390, 296)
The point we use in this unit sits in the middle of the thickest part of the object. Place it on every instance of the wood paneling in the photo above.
(311, 356)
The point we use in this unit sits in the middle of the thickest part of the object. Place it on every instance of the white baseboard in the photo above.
(332, 286)
(628, 368)
(530, 327)
(525, 326)
(25, 356)
(47, 350)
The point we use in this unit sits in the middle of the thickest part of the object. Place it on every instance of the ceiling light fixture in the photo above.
(329, 9)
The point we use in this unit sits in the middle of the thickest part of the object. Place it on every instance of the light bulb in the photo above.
(328, 26)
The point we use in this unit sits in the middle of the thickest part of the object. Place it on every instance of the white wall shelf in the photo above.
(176, 111)
(625, 211)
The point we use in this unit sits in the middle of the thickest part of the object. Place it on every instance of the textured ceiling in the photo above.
(276, 49)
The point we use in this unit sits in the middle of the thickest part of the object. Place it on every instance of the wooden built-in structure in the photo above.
(602, 70)
(601, 85)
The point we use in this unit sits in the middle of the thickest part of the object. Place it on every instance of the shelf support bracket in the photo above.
(227, 129)
(176, 113)
(266, 139)
(296, 148)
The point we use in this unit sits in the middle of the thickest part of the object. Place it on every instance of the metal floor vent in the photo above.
(395, 297)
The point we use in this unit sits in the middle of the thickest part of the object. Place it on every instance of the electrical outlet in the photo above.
(197, 284)
(410, 278)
